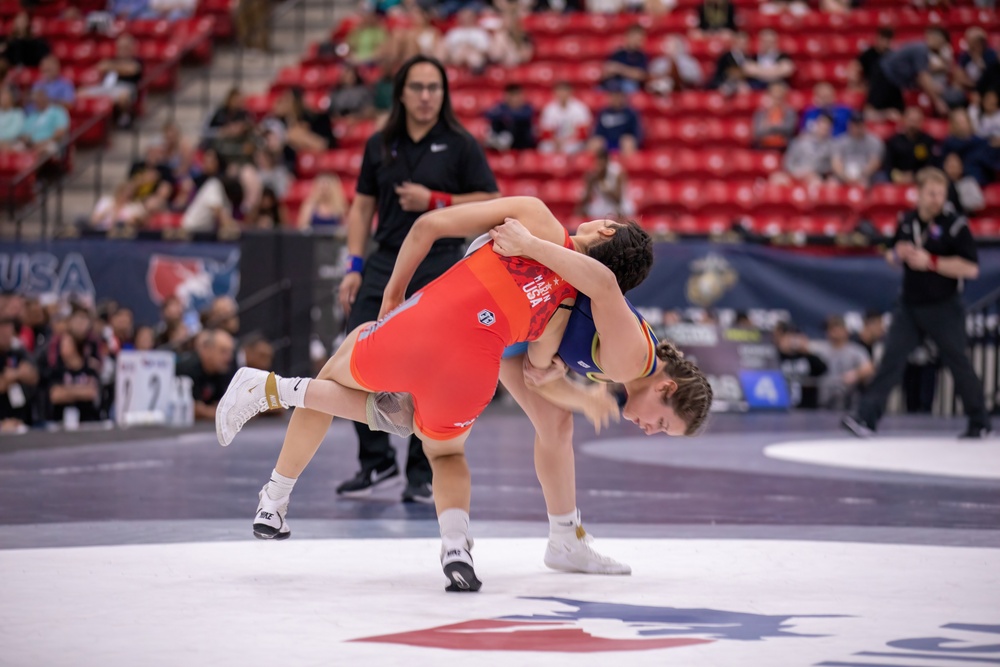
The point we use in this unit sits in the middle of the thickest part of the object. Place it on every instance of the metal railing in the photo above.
(40, 199)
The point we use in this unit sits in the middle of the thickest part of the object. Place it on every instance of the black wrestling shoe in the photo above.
(366, 481)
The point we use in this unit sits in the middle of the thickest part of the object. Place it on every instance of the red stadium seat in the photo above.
(991, 193)
(889, 200)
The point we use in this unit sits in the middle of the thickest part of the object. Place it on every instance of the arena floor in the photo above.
(771, 541)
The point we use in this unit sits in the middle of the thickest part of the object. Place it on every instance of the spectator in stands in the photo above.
(128, 10)
(858, 154)
(270, 212)
(35, 331)
(351, 99)
(11, 119)
(121, 325)
(59, 89)
(871, 334)
(800, 366)
(618, 128)
(849, 366)
(20, 48)
(213, 206)
(18, 378)
(45, 125)
(716, 17)
(605, 194)
(975, 60)
(145, 338)
(210, 367)
(825, 101)
(908, 68)
(793, 7)
(171, 329)
(730, 77)
(976, 153)
(628, 67)
(230, 129)
(422, 38)
(774, 123)
(256, 352)
(120, 209)
(326, 205)
(122, 76)
(565, 122)
(302, 129)
(71, 368)
(809, 155)
(511, 121)
(985, 117)
(367, 39)
(467, 45)
(676, 69)
(272, 172)
(252, 24)
(223, 313)
(510, 45)
(770, 64)
(863, 69)
(909, 150)
(964, 193)
(171, 10)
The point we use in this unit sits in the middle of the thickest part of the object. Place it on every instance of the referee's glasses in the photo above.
(419, 88)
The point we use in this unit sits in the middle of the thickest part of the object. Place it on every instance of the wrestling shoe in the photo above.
(250, 393)
(976, 433)
(366, 481)
(418, 493)
(574, 552)
(458, 568)
(858, 428)
(269, 523)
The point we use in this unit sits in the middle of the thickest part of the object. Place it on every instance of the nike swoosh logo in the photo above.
(296, 387)
(251, 389)
(437, 148)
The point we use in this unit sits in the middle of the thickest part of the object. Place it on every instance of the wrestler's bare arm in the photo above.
(465, 221)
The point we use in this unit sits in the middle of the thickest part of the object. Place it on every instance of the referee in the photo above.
(422, 159)
(938, 252)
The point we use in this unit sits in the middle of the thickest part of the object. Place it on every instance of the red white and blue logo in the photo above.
(578, 626)
(195, 281)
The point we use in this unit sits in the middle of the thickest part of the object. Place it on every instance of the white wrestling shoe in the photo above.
(574, 552)
(457, 565)
(250, 393)
(269, 522)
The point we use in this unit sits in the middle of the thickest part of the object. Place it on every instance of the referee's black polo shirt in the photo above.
(445, 160)
(947, 235)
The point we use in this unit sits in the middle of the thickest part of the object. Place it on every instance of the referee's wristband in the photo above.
(439, 200)
(932, 263)
(355, 264)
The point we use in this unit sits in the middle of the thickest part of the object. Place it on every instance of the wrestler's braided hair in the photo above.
(629, 254)
(693, 398)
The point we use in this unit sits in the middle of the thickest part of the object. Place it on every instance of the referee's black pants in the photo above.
(374, 450)
(943, 323)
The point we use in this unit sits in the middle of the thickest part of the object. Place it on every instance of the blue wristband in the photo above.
(356, 264)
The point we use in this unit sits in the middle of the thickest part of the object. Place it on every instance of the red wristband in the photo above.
(933, 262)
(439, 200)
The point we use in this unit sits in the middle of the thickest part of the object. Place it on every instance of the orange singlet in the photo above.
(443, 345)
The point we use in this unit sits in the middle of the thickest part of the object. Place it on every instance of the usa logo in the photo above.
(487, 317)
(579, 626)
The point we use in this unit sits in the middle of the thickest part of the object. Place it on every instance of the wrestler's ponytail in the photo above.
(693, 398)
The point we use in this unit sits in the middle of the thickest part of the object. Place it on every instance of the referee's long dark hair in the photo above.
(395, 126)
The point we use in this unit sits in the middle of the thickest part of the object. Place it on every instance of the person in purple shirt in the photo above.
(628, 67)
(59, 89)
(618, 128)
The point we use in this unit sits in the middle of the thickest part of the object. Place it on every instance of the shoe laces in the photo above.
(249, 412)
(587, 544)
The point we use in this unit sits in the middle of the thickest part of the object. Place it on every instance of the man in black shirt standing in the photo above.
(421, 160)
(938, 252)
(909, 150)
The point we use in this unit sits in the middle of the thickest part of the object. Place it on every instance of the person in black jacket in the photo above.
(937, 252)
